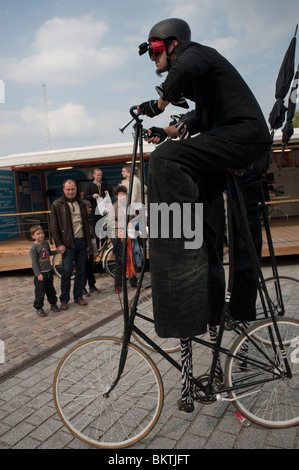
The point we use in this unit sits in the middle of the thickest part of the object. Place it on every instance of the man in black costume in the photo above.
(230, 132)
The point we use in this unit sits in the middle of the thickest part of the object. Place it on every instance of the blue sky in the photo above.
(86, 53)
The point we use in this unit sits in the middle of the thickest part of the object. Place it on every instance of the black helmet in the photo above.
(171, 28)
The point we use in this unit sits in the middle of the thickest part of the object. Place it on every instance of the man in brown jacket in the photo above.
(70, 231)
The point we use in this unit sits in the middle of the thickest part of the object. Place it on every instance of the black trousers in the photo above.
(89, 274)
(188, 285)
(44, 288)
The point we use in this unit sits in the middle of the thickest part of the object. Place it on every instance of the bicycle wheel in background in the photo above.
(289, 288)
(57, 265)
(266, 395)
(109, 261)
(146, 325)
(132, 408)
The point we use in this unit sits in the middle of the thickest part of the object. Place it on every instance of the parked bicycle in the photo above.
(109, 392)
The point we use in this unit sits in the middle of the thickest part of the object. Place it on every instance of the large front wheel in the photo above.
(116, 419)
(265, 393)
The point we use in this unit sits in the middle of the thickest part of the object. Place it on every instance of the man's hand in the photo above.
(61, 249)
(152, 108)
(156, 135)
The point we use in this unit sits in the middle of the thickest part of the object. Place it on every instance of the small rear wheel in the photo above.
(265, 394)
(284, 295)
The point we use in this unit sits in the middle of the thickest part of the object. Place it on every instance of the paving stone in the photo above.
(59, 440)
(282, 438)
(27, 443)
(17, 433)
(252, 437)
(18, 416)
(46, 429)
(220, 440)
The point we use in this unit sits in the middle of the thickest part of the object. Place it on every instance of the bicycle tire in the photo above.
(109, 261)
(289, 287)
(145, 308)
(57, 265)
(273, 403)
(133, 407)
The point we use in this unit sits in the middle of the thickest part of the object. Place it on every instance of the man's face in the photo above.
(70, 190)
(98, 176)
(125, 173)
(161, 59)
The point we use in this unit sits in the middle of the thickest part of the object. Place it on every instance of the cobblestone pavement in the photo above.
(34, 347)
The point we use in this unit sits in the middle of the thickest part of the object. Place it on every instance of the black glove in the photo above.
(158, 132)
(150, 108)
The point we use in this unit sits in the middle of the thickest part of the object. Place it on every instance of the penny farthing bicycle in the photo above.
(109, 392)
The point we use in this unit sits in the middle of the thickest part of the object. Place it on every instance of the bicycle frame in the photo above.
(271, 252)
(129, 316)
(129, 320)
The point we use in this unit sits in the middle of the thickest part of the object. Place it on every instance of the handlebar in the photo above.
(134, 117)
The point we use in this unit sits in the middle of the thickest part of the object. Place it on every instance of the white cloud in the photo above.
(69, 33)
(65, 121)
(74, 121)
(65, 50)
(69, 123)
(69, 120)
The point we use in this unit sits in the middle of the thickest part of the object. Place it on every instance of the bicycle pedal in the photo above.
(218, 382)
(199, 395)
(186, 407)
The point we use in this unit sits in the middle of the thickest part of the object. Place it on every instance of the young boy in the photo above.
(43, 275)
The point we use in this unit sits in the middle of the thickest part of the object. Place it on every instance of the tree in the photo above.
(296, 119)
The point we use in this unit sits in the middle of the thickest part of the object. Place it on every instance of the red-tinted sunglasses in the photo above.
(153, 48)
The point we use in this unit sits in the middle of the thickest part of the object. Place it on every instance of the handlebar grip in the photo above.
(132, 112)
